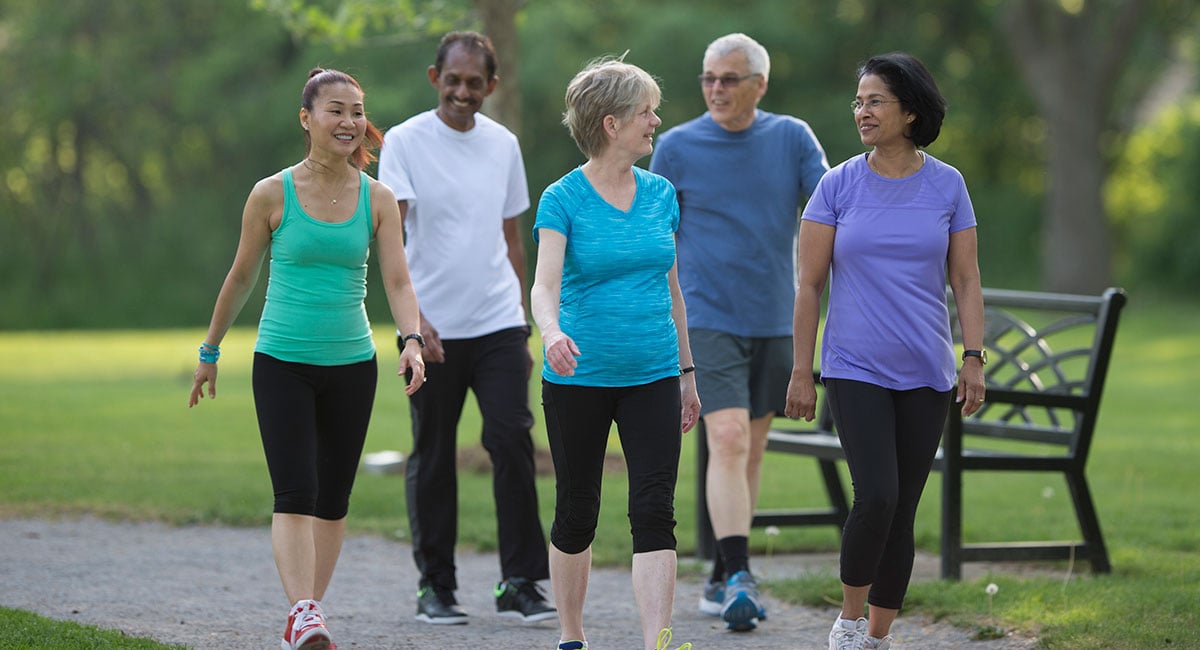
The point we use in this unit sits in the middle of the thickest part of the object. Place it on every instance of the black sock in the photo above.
(735, 550)
(718, 569)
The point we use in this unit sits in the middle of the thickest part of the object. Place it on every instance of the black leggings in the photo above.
(313, 421)
(578, 422)
(890, 438)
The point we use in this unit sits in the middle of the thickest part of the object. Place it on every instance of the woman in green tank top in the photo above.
(314, 372)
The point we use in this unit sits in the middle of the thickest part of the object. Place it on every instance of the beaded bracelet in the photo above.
(209, 353)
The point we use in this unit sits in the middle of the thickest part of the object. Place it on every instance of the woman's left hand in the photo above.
(972, 389)
(412, 361)
(690, 402)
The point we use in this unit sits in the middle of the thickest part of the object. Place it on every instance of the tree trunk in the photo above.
(1072, 63)
(499, 18)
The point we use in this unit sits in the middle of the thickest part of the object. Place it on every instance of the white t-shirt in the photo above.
(460, 187)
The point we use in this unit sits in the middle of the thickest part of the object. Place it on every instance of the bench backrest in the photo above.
(1048, 356)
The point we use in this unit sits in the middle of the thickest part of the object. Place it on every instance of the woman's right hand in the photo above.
(205, 372)
(801, 397)
(560, 353)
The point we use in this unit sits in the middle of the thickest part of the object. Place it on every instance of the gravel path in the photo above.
(209, 587)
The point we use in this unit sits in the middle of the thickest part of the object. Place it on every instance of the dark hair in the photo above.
(318, 78)
(473, 42)
(910, 81)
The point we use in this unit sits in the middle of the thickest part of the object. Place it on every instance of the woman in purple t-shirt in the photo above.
(890, 228)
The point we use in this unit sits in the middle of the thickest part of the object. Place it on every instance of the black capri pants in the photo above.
(313, 422)
(578, 422)
(890, 438)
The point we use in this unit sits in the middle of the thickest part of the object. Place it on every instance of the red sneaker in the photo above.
(306, 628)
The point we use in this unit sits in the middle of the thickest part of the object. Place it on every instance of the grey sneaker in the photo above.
(742, 608)
(713, 598)
(878, 644)
(438, 606)
(523, 599)
(849, 635)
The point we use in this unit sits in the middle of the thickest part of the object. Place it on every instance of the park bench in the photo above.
(1048, 355)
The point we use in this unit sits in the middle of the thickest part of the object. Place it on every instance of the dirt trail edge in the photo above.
(211, 587)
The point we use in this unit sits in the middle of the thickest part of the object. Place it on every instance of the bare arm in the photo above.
(963, 273)
(689, 397)
(516, 251)
(263, 208)
(516, 257)
(544, 300)
(393, 267)
(815, 256)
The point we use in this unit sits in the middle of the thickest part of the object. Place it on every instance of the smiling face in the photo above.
(337, 121)
(461, 85)
(635, 133)
(886, 124)
(732, 105)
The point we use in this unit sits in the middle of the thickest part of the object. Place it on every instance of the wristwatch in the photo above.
(978, 354)
(414, 336)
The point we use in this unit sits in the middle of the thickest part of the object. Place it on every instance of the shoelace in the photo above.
(664, 639)
(312, 615)
(856, 636)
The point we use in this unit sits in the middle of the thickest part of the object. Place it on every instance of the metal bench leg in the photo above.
(1089, 524)
(952, 483)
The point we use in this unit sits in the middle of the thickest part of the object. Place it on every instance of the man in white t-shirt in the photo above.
(460, 181)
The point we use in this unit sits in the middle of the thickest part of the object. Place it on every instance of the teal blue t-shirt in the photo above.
(314, 311)
(615, 301)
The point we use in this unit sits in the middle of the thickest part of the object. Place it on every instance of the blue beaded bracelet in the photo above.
(209, 353)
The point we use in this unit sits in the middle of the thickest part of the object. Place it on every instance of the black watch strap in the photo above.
(978, 354)
(414, 336)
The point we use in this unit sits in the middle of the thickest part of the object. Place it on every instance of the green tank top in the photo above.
(314, 311)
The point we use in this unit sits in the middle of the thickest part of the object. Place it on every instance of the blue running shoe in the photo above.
(713, 598)
(572, 645)
(742, 608)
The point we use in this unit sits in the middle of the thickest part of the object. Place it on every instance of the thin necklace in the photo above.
(904, 172)
(334, 196)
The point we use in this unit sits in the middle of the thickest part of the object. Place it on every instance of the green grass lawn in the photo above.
(97, 423)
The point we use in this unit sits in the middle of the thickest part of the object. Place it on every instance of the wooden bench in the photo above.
(1048, 356)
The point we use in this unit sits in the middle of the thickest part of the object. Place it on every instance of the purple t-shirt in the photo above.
(887, 321)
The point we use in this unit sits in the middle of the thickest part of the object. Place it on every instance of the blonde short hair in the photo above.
(606, 86)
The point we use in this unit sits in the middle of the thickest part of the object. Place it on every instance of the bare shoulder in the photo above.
(380, 193)
(268, 190)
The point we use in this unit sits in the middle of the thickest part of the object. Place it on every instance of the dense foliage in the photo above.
(137, 128)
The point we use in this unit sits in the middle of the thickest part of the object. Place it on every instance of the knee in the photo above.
(574, 525)
(876, 505)
(727, 440)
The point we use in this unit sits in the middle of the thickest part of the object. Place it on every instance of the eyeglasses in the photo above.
(872, 104)
(726, 81)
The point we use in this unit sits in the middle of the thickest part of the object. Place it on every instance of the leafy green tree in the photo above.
(1075, 54)
(114, 111)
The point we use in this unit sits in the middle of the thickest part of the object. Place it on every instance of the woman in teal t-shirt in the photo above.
(607, 301)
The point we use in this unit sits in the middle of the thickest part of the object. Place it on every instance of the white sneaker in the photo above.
(879, 644)
(848, 635)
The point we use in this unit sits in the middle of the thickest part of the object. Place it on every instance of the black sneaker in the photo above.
(439, 607)
(523, 599)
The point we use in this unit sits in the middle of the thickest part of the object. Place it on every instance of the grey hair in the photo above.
(606, 86)
(756, 54)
